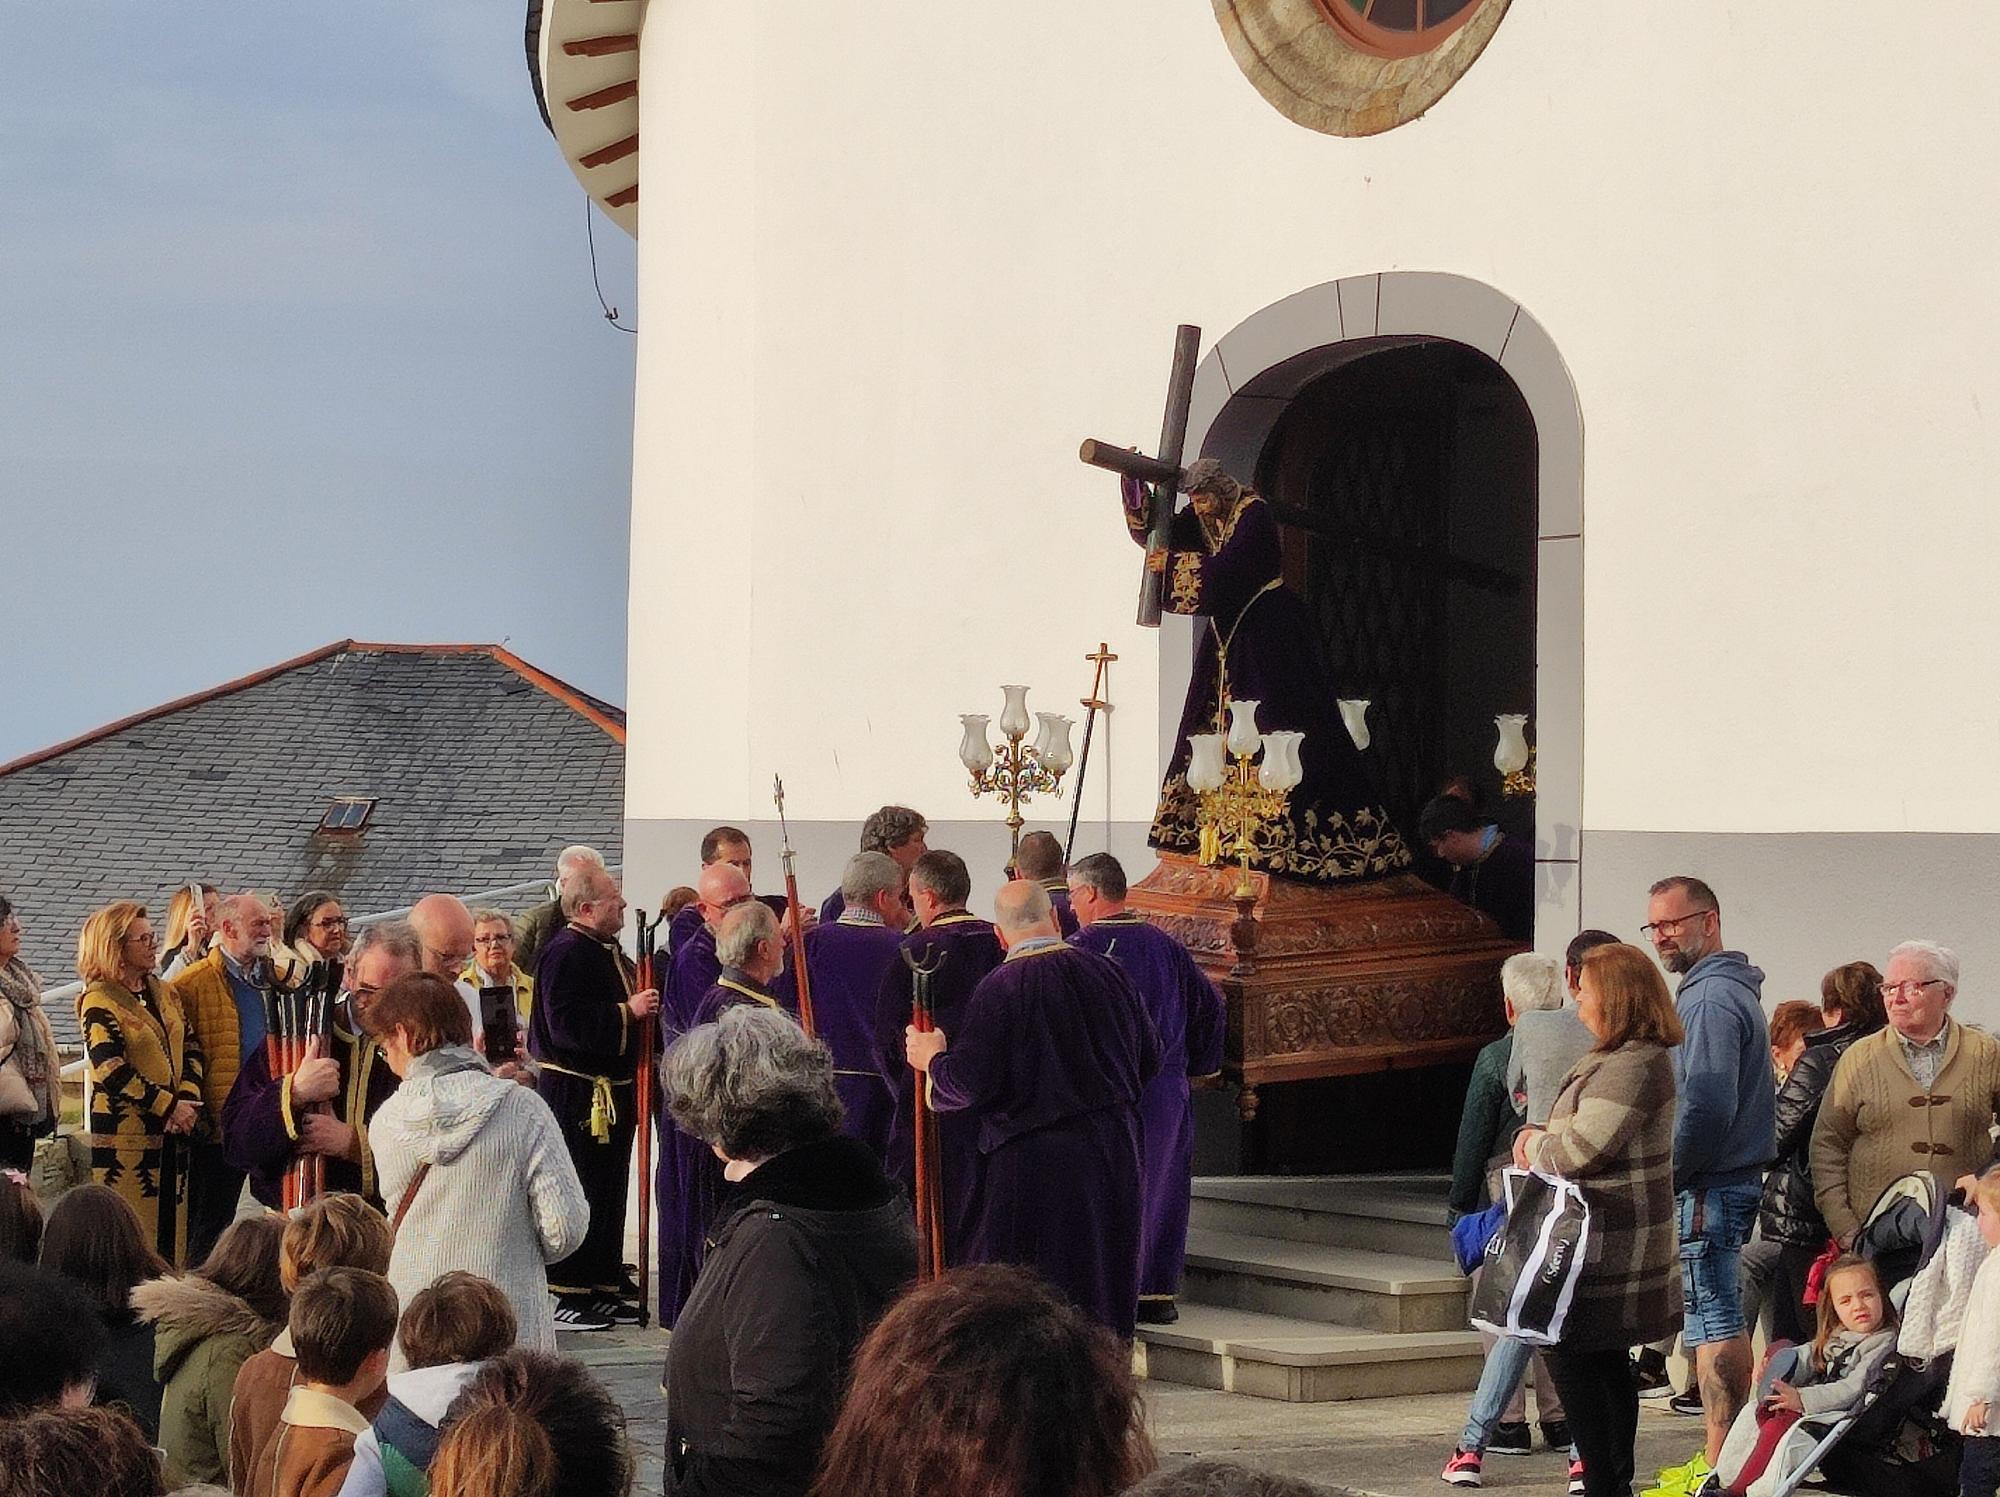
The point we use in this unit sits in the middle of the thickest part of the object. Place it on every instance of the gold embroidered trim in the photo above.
(1187, 582)
(1363, 845)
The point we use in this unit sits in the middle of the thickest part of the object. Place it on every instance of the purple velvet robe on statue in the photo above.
(847, 962)
(1335, 829)
(1188, 1016)
(964, 949)
(1051, 1056)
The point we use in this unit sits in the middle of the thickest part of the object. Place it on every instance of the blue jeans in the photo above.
(1979, 1466)
(1506, 1365)
(1714, 1225)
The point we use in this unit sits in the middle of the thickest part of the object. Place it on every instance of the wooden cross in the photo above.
(1163, 473)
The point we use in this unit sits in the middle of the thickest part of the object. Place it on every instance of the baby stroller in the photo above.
(1891, 1442)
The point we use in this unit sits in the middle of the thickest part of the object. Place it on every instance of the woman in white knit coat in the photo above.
(1974, 1390)
(500, 1197)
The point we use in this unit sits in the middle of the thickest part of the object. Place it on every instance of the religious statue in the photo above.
(1222, 562)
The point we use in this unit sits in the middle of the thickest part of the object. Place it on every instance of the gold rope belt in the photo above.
(603, 1104)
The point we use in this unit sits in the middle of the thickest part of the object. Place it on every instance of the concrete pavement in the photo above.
(1377, 1447)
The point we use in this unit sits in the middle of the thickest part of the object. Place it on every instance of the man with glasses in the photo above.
(722, 844)
(1725, 1133)
(324, 1106)
(1921, 1094)
(220, 995)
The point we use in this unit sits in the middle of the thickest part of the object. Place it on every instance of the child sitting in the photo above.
(1856, 1334)
(1975, 1369)
(342, 1322)
(335, 1231)
(448, 1331)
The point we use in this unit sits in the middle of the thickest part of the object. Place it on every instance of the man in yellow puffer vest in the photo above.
(226, 1009)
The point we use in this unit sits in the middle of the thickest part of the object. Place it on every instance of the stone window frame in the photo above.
(1327, 76)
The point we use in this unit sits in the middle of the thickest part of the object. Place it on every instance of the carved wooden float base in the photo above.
(1387, 975)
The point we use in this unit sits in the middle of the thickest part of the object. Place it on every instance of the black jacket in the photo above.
(806, 1255)
(1787, 1212)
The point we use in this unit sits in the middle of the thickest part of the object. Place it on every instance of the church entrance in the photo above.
(1405, 472)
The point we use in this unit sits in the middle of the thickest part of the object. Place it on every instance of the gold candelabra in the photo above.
(1239, 797)
(1017, 769)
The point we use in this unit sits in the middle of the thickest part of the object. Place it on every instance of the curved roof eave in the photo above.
(583, 59)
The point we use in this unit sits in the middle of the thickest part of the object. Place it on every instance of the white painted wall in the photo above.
(897, 258)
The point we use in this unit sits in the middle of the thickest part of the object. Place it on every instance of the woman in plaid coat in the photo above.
(1612, 1132)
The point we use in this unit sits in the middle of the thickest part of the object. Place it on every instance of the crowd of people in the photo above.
(1730, 1164)
(340, 1263)
(385, 1318)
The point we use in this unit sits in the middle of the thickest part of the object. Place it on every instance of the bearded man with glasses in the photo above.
(1920, 1095)
(1725, 1133)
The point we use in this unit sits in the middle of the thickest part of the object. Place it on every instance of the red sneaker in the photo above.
(1576, 1479)
(1462, 1470)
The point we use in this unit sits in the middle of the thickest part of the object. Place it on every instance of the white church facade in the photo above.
(1677, 322)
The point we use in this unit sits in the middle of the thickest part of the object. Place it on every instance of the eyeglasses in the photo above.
(143, 937)
(1910, 989)
(1672, 926)
(499, 939)
(331, 922)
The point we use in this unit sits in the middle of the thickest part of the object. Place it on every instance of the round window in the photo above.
(1356, 67)
(1396, 28)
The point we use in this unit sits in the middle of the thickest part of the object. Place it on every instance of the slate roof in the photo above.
(482, 768)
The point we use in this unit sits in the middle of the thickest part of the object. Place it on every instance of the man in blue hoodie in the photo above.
(1724, 1136)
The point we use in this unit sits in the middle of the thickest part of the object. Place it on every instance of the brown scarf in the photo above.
(21, 987)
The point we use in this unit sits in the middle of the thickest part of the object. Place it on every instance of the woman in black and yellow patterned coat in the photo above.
(145, 1068)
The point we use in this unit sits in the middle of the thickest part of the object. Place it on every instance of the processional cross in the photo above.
(1163, 473)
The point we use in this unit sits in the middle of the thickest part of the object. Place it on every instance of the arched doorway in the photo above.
(1422, 434)
(1405, 474)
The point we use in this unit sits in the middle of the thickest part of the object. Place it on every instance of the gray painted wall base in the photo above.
(1799, 904)
(660, 854)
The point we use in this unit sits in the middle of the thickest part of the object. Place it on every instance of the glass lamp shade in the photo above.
(1510, 753)
(1041, 743)
(974, 752)
(1205, 766)
(1056, 754)
(1243, 735)
(1014, 714)
(1281, 769)
(1354, 712)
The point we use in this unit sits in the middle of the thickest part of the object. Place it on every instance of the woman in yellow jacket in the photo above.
(146, 1071)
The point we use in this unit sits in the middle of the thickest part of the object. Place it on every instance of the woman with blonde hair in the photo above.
(29, 1084)
(146, 1068)
(190, 928)
(1612, 1133)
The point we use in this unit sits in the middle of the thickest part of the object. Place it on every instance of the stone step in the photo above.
(1317, 1282)
(1297, 1361)
(1381, 1213)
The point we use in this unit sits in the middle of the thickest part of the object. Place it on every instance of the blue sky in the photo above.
(297, 342)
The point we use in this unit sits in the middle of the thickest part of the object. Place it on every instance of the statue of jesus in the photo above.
(1223, 564)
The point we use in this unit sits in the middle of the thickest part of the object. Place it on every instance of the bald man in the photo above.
(444, 928)
(722, 844)
(1039, 860)
(1051, 1057)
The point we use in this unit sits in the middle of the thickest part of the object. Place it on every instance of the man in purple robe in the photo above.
(585, 1031)
(959, 949)
(1039, 859)
(1188, 1016)
(324, 1106)
(846, 962)
(1051, 1056)
(722, 844)
(896, 830)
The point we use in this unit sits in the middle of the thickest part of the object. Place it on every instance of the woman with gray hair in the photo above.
(810, 1244)
(1549, 1038)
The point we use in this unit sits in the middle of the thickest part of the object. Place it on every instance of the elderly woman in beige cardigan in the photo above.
(1922, 1094)
(1612, 1133)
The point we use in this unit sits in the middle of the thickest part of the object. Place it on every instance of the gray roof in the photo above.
(482, 769)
